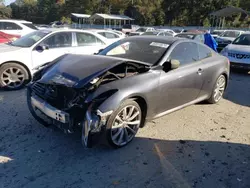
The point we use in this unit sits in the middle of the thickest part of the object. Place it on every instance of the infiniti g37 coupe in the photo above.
(128, 83)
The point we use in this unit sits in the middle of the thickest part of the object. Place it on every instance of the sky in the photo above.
(7, 2)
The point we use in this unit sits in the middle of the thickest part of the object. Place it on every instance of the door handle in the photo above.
(199, 71)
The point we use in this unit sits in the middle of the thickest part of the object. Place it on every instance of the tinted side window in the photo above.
(59, 40)
(168, 34)
(86, 39)
(10, 26)
(110, 35)
(186, 53)
(31, 26)
(204, 52)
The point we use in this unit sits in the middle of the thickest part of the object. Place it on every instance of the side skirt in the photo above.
(200, 99)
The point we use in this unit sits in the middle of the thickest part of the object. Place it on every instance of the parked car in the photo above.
(158, 33)
(128, 28)
(216, 33)
(16, 27)
(169, 31)
(110, 35)
(19, 58)
(239, 52)
(132, 81)
(194, 36)
(227, 37)
(119, 33)
(141, 30)
(4, 37)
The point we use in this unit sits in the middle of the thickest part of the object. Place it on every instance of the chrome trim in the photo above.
(49, 110)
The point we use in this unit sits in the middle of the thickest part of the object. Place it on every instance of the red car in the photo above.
(4, 37)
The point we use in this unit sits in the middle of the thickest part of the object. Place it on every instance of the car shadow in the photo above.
(54, 160)
(238, 90)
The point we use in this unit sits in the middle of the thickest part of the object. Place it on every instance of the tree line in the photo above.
(145, 12)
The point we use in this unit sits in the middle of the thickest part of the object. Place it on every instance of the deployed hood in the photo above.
(8, 48)
(239, 48)
(79, 70)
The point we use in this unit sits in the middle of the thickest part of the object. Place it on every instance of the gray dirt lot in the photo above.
(200, 146)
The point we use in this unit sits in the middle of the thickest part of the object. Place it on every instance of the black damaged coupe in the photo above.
(130, 82)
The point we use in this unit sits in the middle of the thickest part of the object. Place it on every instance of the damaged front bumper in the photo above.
(92, 123)
(49, 110)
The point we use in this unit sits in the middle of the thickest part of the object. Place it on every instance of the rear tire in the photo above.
(218, 90)
(124, 123)
(13, 76)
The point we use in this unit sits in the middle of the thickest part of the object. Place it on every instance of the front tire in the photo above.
(218, 90)
(124, 123)
(13, 76)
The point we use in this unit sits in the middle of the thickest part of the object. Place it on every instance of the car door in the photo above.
(87, 43)
(182, 85)
(209, 71)
(57, 45)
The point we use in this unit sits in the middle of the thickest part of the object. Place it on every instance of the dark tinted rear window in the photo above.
(204, 52)
(31, 26)
(9, 26)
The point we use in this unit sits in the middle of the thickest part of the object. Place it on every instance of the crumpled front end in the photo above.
(66, 108)
(63, 96)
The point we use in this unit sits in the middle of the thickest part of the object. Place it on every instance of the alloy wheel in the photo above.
(220, 88)
(125, 125)
(13, 77)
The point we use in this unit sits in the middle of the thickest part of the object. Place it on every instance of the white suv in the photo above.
(16, 27)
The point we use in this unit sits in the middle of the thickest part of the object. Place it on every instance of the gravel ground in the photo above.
(200, 146)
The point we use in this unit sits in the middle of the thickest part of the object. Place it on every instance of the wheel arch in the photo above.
(144, 107)
(227, 77)
(20, 63)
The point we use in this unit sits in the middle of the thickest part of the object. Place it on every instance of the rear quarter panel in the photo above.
(213, 68)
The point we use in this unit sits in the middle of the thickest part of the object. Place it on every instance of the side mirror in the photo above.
(41, 48)
(175, 64)
(98, 52)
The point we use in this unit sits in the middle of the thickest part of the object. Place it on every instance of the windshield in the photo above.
(242, 40)
(141, 29)
(139, 50)
(186, 36)
(30, 39)
(232, 34)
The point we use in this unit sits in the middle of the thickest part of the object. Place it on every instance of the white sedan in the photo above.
(238, 52)
(110, 36)
(19, 58)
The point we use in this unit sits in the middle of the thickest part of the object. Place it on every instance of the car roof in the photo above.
(167, 40)
(17, 21)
